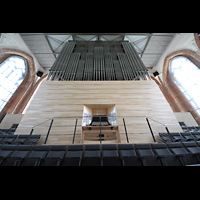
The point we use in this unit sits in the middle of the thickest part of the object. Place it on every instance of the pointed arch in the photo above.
(20, 97)
(180, 102)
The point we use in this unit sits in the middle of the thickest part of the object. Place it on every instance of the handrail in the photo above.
(38, 125)
(156, 121)
(160, 123)
(43, 122)
(118, 122)
(147, 119)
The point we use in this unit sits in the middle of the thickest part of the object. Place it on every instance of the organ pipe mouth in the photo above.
(98, 61)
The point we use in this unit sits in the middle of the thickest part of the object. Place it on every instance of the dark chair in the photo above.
(58, 147)
(197, 128)
(37, 154)
(125, 146)
(9, 147)
(15, 158)
(7, 150)
(189, 144)
(41, 147)
(198, 143)
(188, 136)
(53, 158)
(128, 155)
(111, 158)
(176, 137)
(4, 154)
(193, 148)
(183, 126)
(32, 139)
(73, 156)
(130, 158)
(184, 156)
(166, 157)
(196, 135)
(34, 158)
(165, 137)
(147, 155)
(109, 147)
(92, 156)
(9, 139)
(110, 155)
(192, 128)
(21, 139)
(2, 137)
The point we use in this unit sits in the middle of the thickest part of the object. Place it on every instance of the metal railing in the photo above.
(147, 119)
(128, 126)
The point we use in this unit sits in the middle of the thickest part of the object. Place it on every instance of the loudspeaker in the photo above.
(155, 73)
(39, 73)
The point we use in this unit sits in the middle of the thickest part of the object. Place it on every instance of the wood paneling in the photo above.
(134, 100)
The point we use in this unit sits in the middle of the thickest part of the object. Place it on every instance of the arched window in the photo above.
(186, 75)
(12, 72)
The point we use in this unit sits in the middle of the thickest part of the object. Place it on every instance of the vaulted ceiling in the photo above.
(46, 46)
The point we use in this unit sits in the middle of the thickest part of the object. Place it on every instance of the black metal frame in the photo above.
(100, 135)
(75, 130)
(48, 131)
(150, 130)
(125, 131)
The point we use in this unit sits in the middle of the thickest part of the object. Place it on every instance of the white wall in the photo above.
(185, 117)
(14, 41)
(9, 120)
(179, 42)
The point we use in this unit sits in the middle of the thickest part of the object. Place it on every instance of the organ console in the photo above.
(100, 130)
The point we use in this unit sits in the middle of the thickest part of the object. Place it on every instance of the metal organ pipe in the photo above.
(98, 61)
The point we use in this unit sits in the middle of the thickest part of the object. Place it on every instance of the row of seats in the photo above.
(180, 136)
(10, 131)
(19, 139)
(189, 128)
(156, 154)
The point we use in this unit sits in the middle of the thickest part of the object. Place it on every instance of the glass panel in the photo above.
(186, 75)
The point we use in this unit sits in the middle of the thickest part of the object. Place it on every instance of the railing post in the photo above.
(48, 131)
(125, 131)
(31, 131)
(75, 130)
(167, 130)
(151, 130)
(100, 129)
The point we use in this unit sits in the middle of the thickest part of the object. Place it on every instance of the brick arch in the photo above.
(20, 97)
(179, 102)
(197, 39)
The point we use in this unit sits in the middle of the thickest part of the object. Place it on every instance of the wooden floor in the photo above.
(65, 100)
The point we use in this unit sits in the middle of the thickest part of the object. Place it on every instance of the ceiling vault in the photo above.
(47, 46)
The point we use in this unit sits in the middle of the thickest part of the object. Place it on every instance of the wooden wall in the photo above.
(134, 100)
